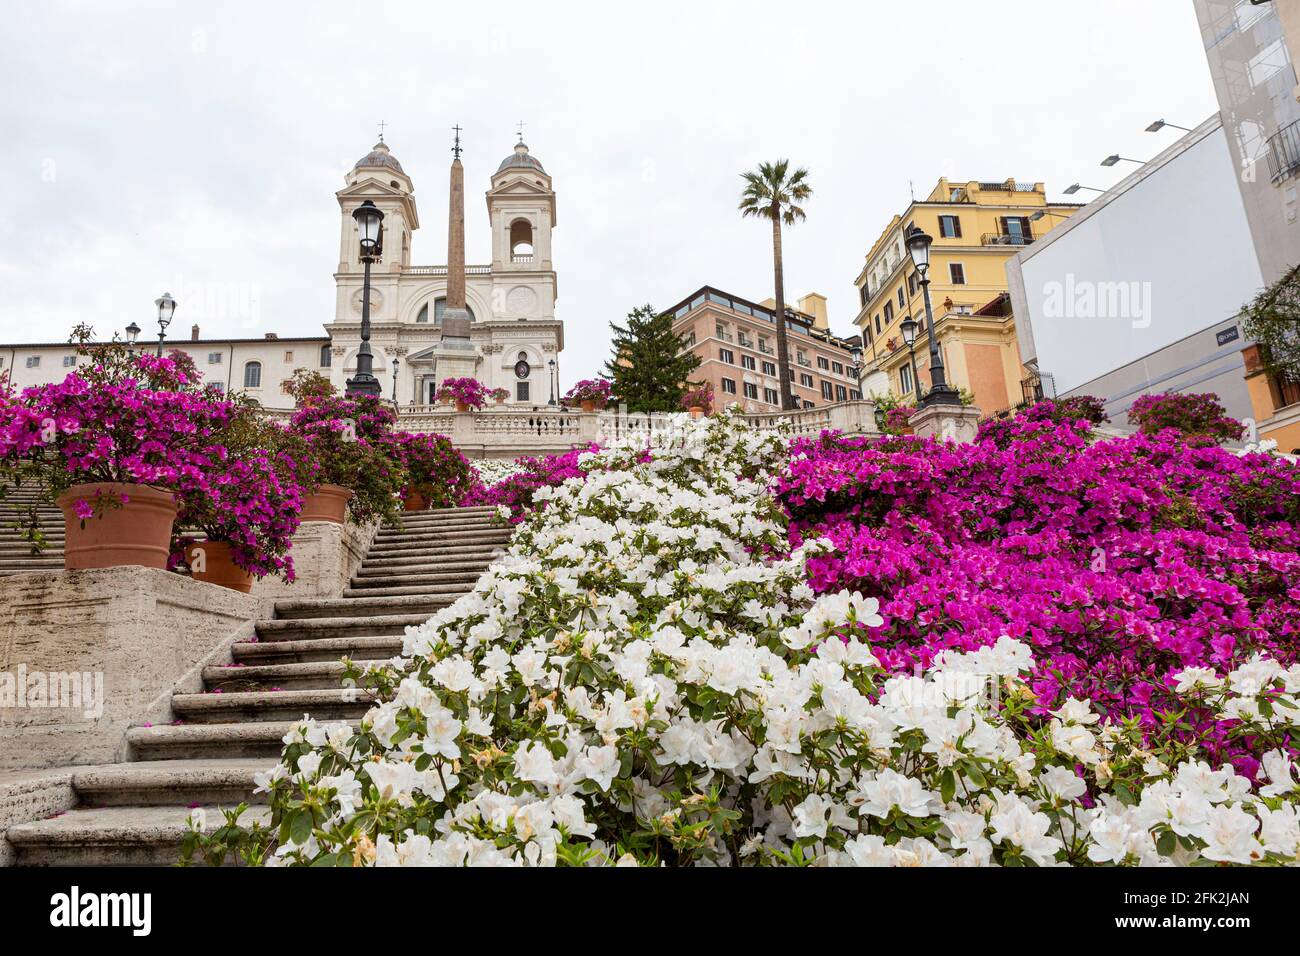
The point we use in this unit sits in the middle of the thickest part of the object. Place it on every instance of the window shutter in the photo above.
(956, 226)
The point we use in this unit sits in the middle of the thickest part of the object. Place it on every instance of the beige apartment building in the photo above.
(736, 342)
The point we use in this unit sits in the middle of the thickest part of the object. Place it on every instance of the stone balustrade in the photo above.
(507, 431)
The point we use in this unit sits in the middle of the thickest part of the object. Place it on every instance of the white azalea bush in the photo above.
(647, 679)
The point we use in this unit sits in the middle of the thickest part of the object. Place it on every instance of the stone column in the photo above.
(957, 423)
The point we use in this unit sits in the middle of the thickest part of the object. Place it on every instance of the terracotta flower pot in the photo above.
(218, 567)
(329, 503)
(462, 407)
(588, 406)
(697, 411)
(501, 401)
(415, 500)
(138, 532)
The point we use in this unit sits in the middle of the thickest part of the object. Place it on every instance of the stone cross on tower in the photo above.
(455, 319)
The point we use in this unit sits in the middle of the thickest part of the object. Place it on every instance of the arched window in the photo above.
(521, 240)
(325, 357)
(439, 307)
(253, 375)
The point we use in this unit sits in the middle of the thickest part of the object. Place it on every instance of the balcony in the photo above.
(1283, 156)
(1004, 239)
(521, 260)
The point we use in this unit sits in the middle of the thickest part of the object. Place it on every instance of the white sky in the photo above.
(144, 147)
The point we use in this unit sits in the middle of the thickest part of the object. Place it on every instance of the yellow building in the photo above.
(976, 228)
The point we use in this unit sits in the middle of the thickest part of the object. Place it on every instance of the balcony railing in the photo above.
(521, 260)
(1005, 239)
(1283, 156)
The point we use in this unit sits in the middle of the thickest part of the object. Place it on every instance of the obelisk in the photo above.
(455, 317)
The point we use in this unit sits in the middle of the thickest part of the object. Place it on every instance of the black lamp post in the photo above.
(369, 219)
(856, 355)
(132, 333)
(908, 328)
(395, 363)
(941, 393)
(550, 372)
(166, 309)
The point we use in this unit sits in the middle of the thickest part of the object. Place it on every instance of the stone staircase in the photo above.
(135, 813)
(16, 553)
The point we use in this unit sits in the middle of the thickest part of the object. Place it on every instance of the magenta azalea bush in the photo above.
(516, 491)
(467, 391)
(433, 467)
(1199, 418)
(1121, 562)
(594, 390)
(351, 439)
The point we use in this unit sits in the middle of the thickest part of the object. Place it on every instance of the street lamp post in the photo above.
(395, 363)
(908, 328)
(369, 219)
(856, 355)
(132, 333)
(550, 366)
(941, 393)
(166, 309)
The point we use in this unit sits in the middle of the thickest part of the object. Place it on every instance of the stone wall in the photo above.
(139, 634)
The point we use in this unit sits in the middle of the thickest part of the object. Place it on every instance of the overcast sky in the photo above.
(146, 147)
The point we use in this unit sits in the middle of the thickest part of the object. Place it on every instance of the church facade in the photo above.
(512, 336)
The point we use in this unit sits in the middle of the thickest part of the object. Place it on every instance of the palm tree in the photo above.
(773, 192)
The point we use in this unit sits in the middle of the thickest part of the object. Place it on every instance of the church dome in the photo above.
(379, 156)
(520, 159)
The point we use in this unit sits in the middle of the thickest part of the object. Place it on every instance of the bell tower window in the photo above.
(521, 241)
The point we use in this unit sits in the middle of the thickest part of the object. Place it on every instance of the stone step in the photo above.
(465, 577)
(408, 542)
(270, 705)
(41, 562)
(307, 629)
(376, 648)
(316, 675)
(427, 604)
(477, 527)
(17, 550)
(113, 836)
(213, 781)
(205, 741)
(477, 565)
(457, 524)
(397, 591)
(432, 556)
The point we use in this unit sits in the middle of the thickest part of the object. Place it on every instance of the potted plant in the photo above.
(249, 505)
(467, 393)
(589, 394)
(499, 395)
(120, 439)
(699, 400)
(437, 474)
(357, 473)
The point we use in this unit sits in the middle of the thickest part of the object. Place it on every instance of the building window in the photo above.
(521, 391)
(902, 300)
(838, 367)
(889, 312)
(823, 362)
(949, 227)
(727, 356)
(855, 395)
(253, 375)
(439, 308)
(877, 323)
(769, 368)
(841, 393)
(807, 404)
(33, 361)
(751, 390)
(957, 272)
(326, 358)
(214, 358)
(806, 381)
(747, 361)
(764, 347)
(905, 380)
(728, 386)
(69, 361)
(912, 283)
(826, 391)
(769, 396)
(288, 357)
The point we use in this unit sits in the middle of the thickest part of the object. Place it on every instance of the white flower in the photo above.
(1063, 783)
(888, 790)
(1229, 835)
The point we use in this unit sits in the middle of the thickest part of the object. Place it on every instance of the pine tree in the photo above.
(650, 366)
